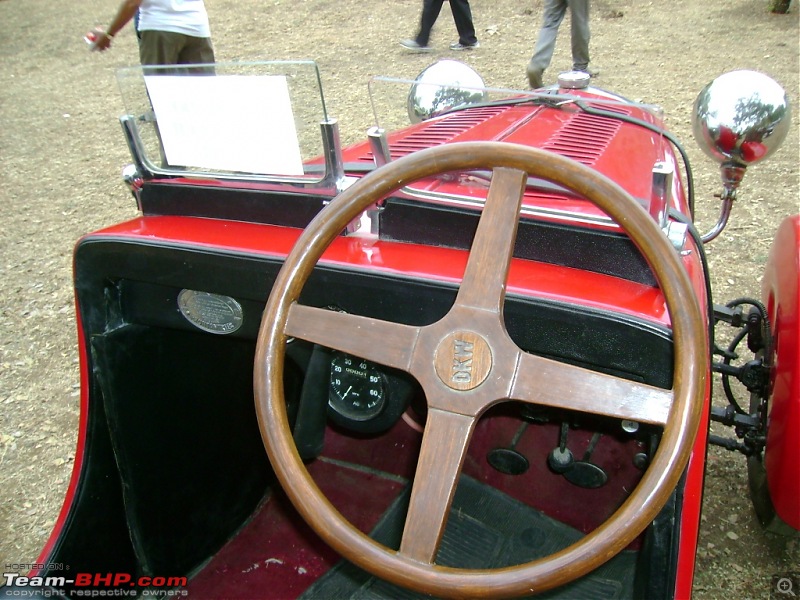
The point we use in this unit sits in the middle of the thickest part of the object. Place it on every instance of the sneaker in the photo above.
(460, 46)
(588, 71)
(535, 78)
(414, 46)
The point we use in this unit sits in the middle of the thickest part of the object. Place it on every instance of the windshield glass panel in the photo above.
(577, 124)
(258, 119)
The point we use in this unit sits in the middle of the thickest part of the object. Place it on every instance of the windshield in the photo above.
(578, 124)
(398, 102)
(260, 118)
(268, 121)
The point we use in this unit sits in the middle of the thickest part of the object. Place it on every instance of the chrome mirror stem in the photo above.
(732, 175)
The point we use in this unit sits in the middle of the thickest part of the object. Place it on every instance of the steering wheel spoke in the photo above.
(389, 344)
(484, 282)
(551, 383)
(444, 447)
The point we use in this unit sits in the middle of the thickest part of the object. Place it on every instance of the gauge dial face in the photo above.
(357, 387)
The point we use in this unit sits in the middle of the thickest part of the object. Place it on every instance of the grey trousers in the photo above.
(554, 11)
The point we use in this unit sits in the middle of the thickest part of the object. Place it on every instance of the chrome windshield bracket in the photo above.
(379, 146)
(332, 150)
(661, 195)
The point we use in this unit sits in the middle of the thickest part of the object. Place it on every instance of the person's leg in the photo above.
(579, 15)
(197, 51)
(554, 11)
(462, 16)
(160, 47)
(430, 12)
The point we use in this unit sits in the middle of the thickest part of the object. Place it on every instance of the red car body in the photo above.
(171, 488)
(782, 298)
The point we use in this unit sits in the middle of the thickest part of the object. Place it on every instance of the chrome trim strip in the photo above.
(466, 202)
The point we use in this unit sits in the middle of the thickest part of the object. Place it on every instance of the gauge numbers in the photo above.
(357, 387)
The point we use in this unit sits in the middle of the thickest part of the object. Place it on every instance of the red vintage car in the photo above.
(467, 358)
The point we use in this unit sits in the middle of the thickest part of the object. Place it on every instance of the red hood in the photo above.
(621, 150)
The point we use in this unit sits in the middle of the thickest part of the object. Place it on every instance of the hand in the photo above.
(103, 41)
(98, 40)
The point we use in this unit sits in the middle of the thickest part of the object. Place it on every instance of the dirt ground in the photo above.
(61, 151)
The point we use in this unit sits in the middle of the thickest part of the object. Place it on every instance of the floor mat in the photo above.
(486, 529)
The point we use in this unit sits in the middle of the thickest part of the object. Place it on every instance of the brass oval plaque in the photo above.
(213, 313)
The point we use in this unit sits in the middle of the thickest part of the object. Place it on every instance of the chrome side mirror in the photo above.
(442, 86)
(739, 118)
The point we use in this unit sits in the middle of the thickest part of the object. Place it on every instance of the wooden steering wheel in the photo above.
(500, 371)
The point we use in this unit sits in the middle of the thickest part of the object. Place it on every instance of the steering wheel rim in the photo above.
(679, 409)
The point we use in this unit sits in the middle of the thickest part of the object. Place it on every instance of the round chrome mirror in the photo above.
(741, 117)
(442, 86)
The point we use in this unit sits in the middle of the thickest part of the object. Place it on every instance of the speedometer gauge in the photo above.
(357, 388)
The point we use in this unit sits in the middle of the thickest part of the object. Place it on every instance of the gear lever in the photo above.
(560, 458)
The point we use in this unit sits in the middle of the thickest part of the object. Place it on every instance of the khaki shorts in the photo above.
(168, 48)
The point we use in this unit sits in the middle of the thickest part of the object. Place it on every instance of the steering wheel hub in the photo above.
(463, 360)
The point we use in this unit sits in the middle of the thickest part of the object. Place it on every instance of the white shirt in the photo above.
(188, 17)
